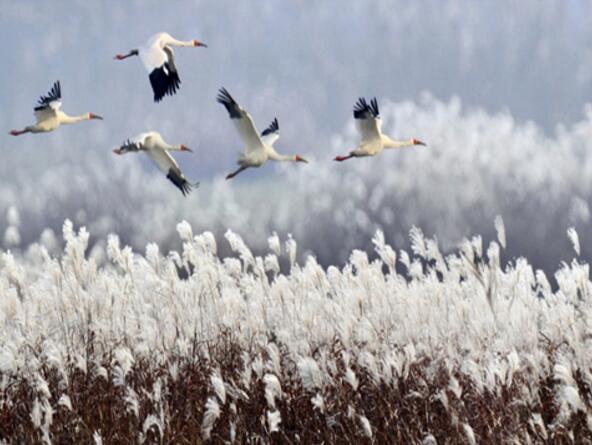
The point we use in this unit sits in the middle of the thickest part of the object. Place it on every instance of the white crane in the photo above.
(258, 148)
(369, 125)
(159, 59)
(49, 116)
(158, 150)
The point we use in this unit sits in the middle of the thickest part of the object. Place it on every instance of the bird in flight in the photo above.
(158, 58)
(158, 150)
(373, 140)
(258, 147)
(49, 116)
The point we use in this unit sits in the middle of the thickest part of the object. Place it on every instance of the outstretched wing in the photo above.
(131, 146)
(367, 119)
(163, 76)
(48, 105)
(170, 168)
(272, 133)
(242, 120)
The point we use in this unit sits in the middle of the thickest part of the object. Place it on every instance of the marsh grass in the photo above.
(457, 349)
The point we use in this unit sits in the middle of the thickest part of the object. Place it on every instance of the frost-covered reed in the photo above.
(396, 346)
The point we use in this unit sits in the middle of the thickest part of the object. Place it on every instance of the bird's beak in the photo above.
(95, 116)
(117, 151)
(417, 142)
(198, 43)
(119, 57)
(300, 159)
(185, 148)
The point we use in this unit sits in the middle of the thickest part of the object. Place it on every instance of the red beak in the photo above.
(417, 142)
(95, 116)
(186, 148)
(198, 43)
(300, 159)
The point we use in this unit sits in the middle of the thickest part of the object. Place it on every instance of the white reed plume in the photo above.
(500, 228)
(273, 389)
(274, 419)
(212, 413)
(218, 385)
(575, 239)
(310, 374)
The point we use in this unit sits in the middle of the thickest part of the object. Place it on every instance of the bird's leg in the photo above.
(343, 158)
(233, 174)
(19, 132)
(133, 52)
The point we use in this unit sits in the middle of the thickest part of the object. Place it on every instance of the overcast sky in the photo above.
(304, 62)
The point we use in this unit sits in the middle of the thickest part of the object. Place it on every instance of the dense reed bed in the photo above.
(187, 347)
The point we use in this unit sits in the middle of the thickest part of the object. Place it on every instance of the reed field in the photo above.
(394, 347)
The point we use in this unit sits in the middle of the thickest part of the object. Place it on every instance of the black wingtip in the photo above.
(360, 108)
(229, 103)
(55, 93)
(224, 96)
(272, 128)
(374, 107)
(164, 81)
(180, 181)
(129, 146)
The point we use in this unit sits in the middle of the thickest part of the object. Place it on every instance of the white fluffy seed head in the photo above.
(291, 248)
(386, 252)
(318, 402)
(455, 387)
(153, 422)
(97, 438)
(124, 358)
(8, 363)
(273, 389)
(65, 402)
(310, 374)
(351, 379)
(575, 239)
(132, 404)
(218, 384)
(469, 434)
(274, 419)
(417, 242)
(274, 244)
(36, 415)
(500, 228)
(366, 427)
(212, 413)
(185, 232)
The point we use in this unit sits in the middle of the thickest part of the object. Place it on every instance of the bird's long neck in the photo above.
(65, 119)
(174, 42)
(275, 156)
(390, 143)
